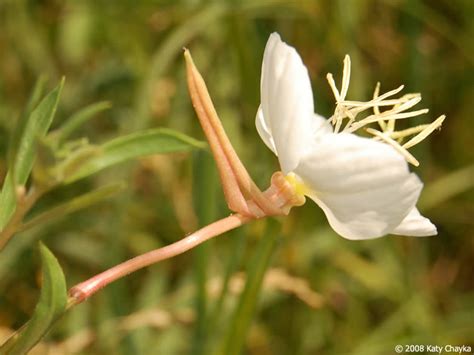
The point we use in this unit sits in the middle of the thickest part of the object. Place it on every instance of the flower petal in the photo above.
(319, 127)
(286, 102)
(264, 131)
(363, 186)
(415, 225)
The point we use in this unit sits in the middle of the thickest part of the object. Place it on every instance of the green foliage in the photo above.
(36, 125)
(153, 141)
(239, 325)
(35, 96)
(205, 187)
(51, 305)
(75, 204)
(78, 119)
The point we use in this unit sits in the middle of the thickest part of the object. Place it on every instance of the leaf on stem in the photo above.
(33, 100)
(51, 305)
(35, 126)
(75, 204)
(118, 150)
(78, 119)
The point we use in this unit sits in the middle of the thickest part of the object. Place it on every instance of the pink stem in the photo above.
(85, 289)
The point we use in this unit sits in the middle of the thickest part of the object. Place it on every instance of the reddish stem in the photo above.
(85, 289)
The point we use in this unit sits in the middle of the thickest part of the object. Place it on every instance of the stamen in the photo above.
(399, 116)
(425, 133)
(346, 77)
(386, 119)
(337, 127)
(352, 118)
(339, 117)
(382, 116)
(332, 84)
(391, 93)
(375, 96)
(405, 105)
(359, 106)
(390, 125)
(374, 103)
(413, 99)
(408, 132)
(382, 124)
(409, 158)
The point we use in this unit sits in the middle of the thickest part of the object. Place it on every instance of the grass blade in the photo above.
(239, 325)
(204, 198)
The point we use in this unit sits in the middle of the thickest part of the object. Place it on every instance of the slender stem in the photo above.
(85, 289)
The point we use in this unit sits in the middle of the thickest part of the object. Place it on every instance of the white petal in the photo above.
(286, 101)
(319, 127)
(363, 186)
(415, 225)
(264, 131)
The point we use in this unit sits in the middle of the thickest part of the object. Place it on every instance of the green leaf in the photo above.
(205, 187)
(75, 204)
(35, 97)
(153, 141)
(51, 305)
(8, 195)
(79, 118)
(7, 200)
(36, 126)
(242, 318)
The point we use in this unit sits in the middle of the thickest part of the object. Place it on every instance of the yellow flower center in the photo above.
(298, 186)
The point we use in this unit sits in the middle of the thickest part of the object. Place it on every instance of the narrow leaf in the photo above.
(51, 305)
(205, 185)
(79, 118)
(74, 205)
(35, 97)
(7, 200)
(242, 319)
(36, 126)
(153, 141)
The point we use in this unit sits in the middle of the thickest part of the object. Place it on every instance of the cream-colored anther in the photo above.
(348, 109)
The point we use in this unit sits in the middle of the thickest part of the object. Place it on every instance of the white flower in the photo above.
(363, 185)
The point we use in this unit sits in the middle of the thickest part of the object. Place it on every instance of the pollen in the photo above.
(384, 111)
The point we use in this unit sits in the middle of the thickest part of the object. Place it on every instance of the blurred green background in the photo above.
(321, 294)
